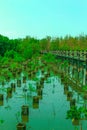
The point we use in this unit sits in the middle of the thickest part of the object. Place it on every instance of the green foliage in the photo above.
(2, 78)
(11, 54)
(64, 64)
(76, 113)
(29, 46)
(55, 44)
(28, 52)
(31, 88)
(49, 58)
(3, 89)
(4, 44)
(18, 58)
(84, 88)
(4, 60)
(73, 113)
(16, 51)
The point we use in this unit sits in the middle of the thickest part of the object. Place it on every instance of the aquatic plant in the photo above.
(31, 88)
(1, 121)
(77, 113)
(2, 78)
(84, 88)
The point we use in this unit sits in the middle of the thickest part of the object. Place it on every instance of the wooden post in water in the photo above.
(21, 126)
(66, 89)
(86, 68)
(72, 102)
(9, 92)
(25, 113)
(1, 99)
(86, 57)
(86, 76)
(18, 83)
(83, 75)
(13, 86)
(35, 102)
(78, 63)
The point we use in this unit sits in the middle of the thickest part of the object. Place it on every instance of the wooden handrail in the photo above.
(74, 54)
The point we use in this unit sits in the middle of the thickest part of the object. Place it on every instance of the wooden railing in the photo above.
(77, 55)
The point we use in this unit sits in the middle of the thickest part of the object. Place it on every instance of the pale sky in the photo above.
(41, 18)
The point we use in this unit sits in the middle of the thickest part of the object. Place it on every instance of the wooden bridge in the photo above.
(70, 54)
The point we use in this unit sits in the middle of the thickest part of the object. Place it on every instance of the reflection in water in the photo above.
(78, 76)
(44, 103)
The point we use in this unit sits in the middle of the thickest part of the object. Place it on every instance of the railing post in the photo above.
(78, 54)
(82, 54)
(65, 55)
(68, 54)
(86, 57)
(72, 53)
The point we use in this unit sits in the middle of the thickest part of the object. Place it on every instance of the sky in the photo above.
(41, 18)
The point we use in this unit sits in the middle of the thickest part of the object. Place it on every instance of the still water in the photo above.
(49, 114)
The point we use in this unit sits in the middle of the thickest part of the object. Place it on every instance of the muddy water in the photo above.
(50, 114)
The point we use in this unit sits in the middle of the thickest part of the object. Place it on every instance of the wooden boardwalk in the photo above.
(74, 55)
